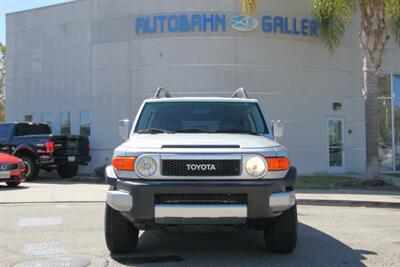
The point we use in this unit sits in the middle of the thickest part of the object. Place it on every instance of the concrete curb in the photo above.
(348, 203)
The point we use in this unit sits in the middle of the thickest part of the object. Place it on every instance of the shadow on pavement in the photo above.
(7, 188)
(314, 248)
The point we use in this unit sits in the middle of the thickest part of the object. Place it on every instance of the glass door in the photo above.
(335, 144)
(389, 122)
(396, 120)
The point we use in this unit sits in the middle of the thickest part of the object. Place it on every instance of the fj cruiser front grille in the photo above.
(200, 167)
(201, 199)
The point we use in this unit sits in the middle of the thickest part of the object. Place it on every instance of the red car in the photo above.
(12, 170)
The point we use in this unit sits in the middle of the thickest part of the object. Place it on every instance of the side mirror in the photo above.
(278, 130)
(124, 127)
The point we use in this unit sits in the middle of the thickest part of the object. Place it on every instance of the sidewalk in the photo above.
(56, 190)
(349, 198)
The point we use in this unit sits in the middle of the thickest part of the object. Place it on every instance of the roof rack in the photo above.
(159, 91)
(240, 93)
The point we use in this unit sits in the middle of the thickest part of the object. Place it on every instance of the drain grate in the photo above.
(151, 259)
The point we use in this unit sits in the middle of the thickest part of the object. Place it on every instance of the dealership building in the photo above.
(84, 65)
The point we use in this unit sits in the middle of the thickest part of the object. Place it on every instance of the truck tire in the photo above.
(121, 236)
(280, 236)
(32, 170)
(68, 171)
(12, 184)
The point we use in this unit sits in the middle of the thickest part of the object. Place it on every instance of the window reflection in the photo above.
(385, 134)
(335, 143)
(389, 122)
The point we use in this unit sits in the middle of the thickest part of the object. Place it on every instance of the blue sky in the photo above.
(7, 6)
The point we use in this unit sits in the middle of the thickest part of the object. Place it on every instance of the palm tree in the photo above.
(380, 19)
(248, 7)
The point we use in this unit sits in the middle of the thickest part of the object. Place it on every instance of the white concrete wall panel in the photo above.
(111, 56)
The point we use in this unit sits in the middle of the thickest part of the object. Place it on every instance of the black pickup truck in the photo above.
(40, 149)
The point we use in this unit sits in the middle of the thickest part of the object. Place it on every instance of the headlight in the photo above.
(256, 166)
(146, 167)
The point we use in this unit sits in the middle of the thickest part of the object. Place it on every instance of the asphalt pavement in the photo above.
(72, 235)
(55, 222)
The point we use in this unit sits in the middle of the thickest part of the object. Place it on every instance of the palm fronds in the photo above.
(393, 14)
(248, 7)
(333, 16)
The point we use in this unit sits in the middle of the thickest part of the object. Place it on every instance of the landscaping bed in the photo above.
(341, 182)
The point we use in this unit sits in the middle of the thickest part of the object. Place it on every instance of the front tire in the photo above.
(13, 184)
(121, 236)
(68, 171)
(32, 170)
(281, 235)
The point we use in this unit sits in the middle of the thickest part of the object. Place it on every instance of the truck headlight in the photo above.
(146, 167)
(256, 166)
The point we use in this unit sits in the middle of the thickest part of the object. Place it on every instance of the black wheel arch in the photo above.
(25, 150)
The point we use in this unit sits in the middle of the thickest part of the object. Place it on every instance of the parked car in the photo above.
(200, 163)
(12, 170)
(40, 149)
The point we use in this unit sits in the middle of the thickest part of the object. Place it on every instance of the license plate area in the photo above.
(203, 214)
(71, 159)
(5, 175)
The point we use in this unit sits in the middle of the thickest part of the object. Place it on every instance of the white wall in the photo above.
(85, 55)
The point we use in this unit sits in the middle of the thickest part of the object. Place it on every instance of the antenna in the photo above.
(159, 91)
(240, 93)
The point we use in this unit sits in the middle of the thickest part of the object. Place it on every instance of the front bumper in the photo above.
(15, 176)
(136, 200)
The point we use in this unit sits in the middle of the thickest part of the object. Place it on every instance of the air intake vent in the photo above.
(201, 199)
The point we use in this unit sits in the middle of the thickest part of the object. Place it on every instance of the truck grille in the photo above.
(201, 199)
(200, 167)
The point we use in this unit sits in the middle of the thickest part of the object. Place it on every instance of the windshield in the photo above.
(201, 117)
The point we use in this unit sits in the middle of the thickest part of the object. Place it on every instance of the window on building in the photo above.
(48, 119)
(84, 123)
(389, 122)
(65, 123)
(28, 118)
(396, 120)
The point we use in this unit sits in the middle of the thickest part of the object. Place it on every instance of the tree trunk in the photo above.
(373, 35)
(371, 124)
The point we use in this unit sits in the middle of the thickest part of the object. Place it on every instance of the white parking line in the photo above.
(40, 249)
(39, 221)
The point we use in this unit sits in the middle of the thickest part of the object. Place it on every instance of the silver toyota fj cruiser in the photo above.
(200, 163)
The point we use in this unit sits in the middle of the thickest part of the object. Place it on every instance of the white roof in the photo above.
(201, 99)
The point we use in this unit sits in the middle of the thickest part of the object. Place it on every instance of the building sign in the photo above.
(175, 23)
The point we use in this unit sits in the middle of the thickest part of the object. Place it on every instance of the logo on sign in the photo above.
(244, 23)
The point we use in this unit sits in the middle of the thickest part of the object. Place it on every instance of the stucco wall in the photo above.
(85, 55)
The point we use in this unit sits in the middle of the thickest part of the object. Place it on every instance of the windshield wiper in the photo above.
(153, 131)
(235, 131)
(191, 130)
